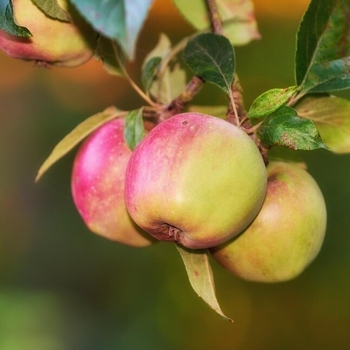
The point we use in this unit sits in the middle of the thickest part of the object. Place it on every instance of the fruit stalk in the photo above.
(236, 113)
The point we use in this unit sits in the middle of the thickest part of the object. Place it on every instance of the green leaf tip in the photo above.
(7, 22)
(134, 130)
(268, 102)
(200, 275)
(322, 62)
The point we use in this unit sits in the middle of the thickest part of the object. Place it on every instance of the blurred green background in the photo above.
(64, 288)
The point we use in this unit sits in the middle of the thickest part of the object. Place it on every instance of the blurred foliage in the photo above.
(61, 287)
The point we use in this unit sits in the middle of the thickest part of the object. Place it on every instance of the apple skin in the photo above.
(97, 185)
(286, 235)
(54, 42)
(196, 180)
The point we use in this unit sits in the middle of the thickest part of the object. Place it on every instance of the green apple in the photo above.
(196, 180)
(286, 235)
(98, 186)
(54, 42)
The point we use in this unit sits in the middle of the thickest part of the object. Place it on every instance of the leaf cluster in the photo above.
(322, 62)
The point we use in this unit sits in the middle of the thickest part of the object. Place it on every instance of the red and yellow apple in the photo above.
(54, 42)
(196, 180)
(286, 235)
(98, 185)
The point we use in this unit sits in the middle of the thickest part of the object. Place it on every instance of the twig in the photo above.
(236, 111)
(194, 86)
(179, 104)
(214, 16)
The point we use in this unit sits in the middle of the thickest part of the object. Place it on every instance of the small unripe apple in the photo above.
(98, 185)
(196, 180)
(54, 42)
(286, 235)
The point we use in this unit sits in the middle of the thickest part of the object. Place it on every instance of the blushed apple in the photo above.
(196, 180)
(54, 42)
(98, 185)
(286, 235)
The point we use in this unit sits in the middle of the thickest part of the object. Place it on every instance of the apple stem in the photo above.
(233, 110)
(237, 113)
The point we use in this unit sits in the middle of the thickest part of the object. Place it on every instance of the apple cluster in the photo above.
(53, 41)
(201, 182)
(195, 180)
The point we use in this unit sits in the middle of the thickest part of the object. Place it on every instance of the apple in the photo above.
(97, 184)
(286, 235)
(54, 42)
(196, 180)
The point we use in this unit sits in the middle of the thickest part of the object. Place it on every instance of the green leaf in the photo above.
(170, 85)
(134, 130)
(328, 76)
(201, 277)
(211, 57)
(322, 61)
(77, 135)
(7, 22)
(108, 52)
(268, 102)
(161, 49)
(52, 9)
(169, 82)
(149, 72)
(239, 23)
(331, 116)
(285, 128)
(120, 20)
